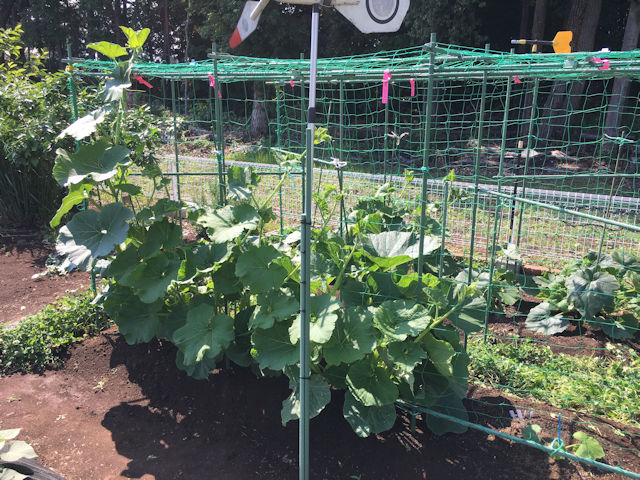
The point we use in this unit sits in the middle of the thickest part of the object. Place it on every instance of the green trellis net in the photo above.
(545, 153)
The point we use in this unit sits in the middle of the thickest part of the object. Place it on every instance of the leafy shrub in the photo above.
(33, 109)
(38, 341)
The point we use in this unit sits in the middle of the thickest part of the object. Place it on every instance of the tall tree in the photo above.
(621, 85)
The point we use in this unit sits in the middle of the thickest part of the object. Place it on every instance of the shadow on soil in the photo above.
(228, 427)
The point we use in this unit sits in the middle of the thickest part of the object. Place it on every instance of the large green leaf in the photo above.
(367, 420)
(257, 270)
(449, 405)
(540, 320)
(198, 370)
(91, 234)
(324, 314)
(135, 39)
(117, 83)
(626, 259)
(85, 126)
(353, 337)
(273, 347)
(273, 307)
(406, 355)
(241, 181)
(440, 353)
(469, 316)
(138, 322)
(397, 244)
(96, 161)
(108, 49)
(588, 446)
(77, 193)
(123, 265)
(319, 397)
(239, 350)
(619, 327)
(205, 335)
(202, 258)
(591, 291)
(398, 319)
(152, 277)
(225, 280)
(371, 384)
(229, 222)
(162, 235)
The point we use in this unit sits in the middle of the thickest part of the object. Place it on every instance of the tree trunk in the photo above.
(621, 85)
(583, 22)
(117, 21)
(539, 17)
(165, 27)
(524, 20)
(259, 124)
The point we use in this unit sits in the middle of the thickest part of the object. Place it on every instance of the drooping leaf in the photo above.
(324, 314)
(108, 49)
(161, 208)
(440, 353)
(17, 450)
(9, 434)
(371, 384)
(591, 291)
(273, 307)
(228, 223)
(406, 355)
(273, 347)
(97, 161)
(367, 420)
(225, 280)
(449, 405)
(202, 258)
(319, 397)
(588, 447)
(204, 335)
(469, 316)
(197, 370)
(240, 182)
(91, 234)
(85, 126)
(398, 319)
(152, 277)
(135, 39)
(162, 235)
(626, 259)
(138, 322)
(77, 193)
(540, 320)
(620, 327)
(390, 249)
(257, 270)
(123, 265)
(353, 337)
(238, 350)
(117, 83)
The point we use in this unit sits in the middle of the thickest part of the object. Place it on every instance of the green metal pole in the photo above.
(279, 93)
(476, 168)
(175, 145)
(609, 202)
(219, 128)
(341, 160)
(386, 141)
(425, 167)
(445, 207)
(532, 118)
(303, 121)
(503, 144)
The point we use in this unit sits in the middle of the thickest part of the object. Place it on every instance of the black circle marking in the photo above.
(382, 20)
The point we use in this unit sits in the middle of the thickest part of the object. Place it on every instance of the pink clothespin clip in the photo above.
(386, 78)
(604, 64)
(142, 81)
(292, 83)
(212, 83)
(413, 87)
(516, 79)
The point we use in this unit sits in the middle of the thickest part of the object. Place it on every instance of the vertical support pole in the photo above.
(425, 164)
(386, 141)
(210, 103)
(445, 208)
(532, 119)
(305, 254)
(476, 178)
(279, 95)
(503, 144)
(341, 160)
(175, 168)
(303, 119)
(219, 128)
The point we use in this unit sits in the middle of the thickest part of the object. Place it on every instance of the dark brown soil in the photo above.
(21, 295)
(120, 411)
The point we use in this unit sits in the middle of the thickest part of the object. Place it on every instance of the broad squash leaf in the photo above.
(324, 314)
(272, 348)
(319, 397)
(138, 322)
(205, 335)
(152, 277)
(469, 316)
(449, 405)
(108, 49)
(202, 258)
(229, 222)
(198, 370)
(77, 193)
(241, 181)
(353, 337)
(371, 384)
(367, 420)
(162, 235)
(135, 39)
(540, 320)
(398, 319)
(256, 269)
(588, 447)
(590, 291)
(91, 234)
(273, 307)
(85, 126)
(96, 161)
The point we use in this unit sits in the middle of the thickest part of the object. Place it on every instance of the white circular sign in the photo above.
(382, 11)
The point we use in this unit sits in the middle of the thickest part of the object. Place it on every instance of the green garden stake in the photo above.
(176, 182)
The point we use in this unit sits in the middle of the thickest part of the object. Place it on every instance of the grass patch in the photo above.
(38, 341)
(607, 386)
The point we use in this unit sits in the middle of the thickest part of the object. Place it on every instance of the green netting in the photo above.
(545, 153)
